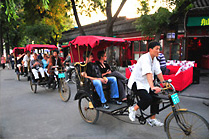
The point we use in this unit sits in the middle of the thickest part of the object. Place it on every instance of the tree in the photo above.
(91, 6)
(55, 16)
(161, 20)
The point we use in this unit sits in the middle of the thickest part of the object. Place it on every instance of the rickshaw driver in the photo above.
(141, 82)
(36, 66)
(96, 78)
(54, 64)
(26, 59)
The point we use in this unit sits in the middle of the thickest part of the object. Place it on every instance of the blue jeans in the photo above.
(113, 88)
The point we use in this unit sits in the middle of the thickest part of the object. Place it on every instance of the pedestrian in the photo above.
(8, 62)
(3, 61)
(11, 59)
(161, 59)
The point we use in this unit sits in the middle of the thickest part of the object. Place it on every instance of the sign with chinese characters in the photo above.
(175, 98)
(198, 21)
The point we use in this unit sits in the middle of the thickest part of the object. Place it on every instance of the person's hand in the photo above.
(83, 74)
(108, 72)
(103, 80)
(36, 63)
(156, 89)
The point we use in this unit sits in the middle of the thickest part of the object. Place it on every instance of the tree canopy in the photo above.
(160, 21)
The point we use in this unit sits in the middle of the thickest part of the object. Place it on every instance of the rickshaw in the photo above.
(179, 123)
(59, 80)
(16, 51)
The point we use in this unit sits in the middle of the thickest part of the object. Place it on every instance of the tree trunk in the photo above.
(157, 36)
(7, 44)
(109, 28)
(111, 19)
(1, 39)
(77, 19)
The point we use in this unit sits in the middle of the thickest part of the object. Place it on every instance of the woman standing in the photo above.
(3, 61)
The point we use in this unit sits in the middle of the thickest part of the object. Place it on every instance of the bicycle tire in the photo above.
(198, 127)
(89, 115)
(73, 76)
(33, 86)
(64, 90)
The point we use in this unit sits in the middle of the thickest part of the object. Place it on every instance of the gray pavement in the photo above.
(24, 115)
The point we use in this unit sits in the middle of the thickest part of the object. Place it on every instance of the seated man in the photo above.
(19, 63)
(36, 66)
(96, 78)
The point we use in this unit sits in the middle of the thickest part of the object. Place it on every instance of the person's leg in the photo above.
(98, 86)
(35, 73)
(26, 71)
(121, 89)
(154, 109)
(118, 75)
(113, 87)
(41, 70)
(13, 65)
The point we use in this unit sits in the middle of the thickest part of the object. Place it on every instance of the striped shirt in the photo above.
(161, 59)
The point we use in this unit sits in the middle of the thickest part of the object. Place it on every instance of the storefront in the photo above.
(197, 36)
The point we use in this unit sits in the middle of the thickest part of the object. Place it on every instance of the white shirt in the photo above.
(25, 60)
(144, 65)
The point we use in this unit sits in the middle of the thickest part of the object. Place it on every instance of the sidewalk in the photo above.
(200, 90)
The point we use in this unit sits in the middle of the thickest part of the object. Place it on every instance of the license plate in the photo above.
(61, 75)
(175, 98)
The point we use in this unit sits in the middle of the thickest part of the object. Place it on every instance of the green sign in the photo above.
(198, 21)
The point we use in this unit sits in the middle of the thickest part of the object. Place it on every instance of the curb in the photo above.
(195, 97)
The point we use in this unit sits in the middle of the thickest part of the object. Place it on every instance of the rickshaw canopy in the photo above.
(18, 50)
(31, 47)
(97, 43)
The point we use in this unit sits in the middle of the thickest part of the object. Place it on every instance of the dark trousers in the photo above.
(120, 80)
(146, 99)
(26, 70)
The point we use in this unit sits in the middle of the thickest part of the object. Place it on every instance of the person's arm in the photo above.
(93, 78)
(150, 81)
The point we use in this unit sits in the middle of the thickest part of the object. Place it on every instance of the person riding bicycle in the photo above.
(55, 64)
(94, 74)
(141, 82)
(37, 66)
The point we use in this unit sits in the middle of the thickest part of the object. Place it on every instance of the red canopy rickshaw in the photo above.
(95, 43)
(31, 47)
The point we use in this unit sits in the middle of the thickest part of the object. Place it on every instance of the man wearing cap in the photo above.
(141, 82)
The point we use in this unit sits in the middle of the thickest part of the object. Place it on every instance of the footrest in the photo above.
(113, 107)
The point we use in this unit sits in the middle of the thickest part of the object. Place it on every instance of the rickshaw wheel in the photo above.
(33, 86)
(64, 90)
(87, 110)
(73, 76)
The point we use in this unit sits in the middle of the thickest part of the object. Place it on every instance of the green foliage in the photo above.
(151, 24)
(11, 10)
(88, 6)
(40, 33)
(145, 7)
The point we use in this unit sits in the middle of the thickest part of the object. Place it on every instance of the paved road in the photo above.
(24, 115)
